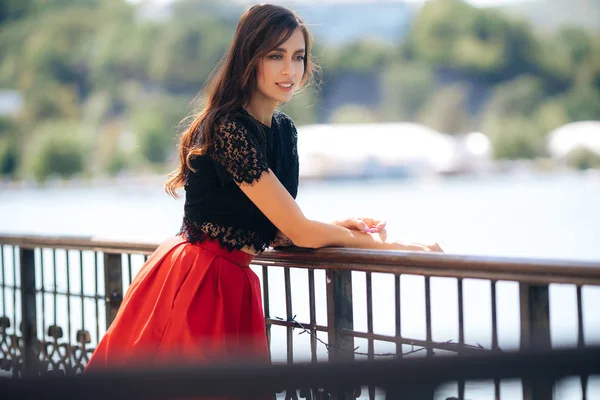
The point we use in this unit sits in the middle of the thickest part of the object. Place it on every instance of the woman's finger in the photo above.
(375, 224)
(360, 224)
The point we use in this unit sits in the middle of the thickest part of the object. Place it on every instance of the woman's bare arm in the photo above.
(269, 195)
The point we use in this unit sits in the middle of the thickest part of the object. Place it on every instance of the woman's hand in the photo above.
(376, 228)
(392, 244)
(365, 225)
(434, 247)
(411, 246)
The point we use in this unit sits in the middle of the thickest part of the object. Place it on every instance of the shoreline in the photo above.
(531, 168)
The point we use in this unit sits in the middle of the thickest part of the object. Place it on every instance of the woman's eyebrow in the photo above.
(281, 49)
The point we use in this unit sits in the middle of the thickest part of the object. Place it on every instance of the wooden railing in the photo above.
(58, 295)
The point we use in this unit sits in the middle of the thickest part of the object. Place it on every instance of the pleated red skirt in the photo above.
(194, 303)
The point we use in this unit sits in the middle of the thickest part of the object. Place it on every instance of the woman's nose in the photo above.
(288, 68)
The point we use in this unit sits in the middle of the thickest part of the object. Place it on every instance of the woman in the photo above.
(195, 298)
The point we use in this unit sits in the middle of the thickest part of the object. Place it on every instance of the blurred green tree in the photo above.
(446, 111)
(515, 137)
(9, 146)
(352, 114)
(59, 151)
(406, 87)
(302, 109)
(113, 68)
(156, 123)
(583, 158)
(185, 52)
(582, 104)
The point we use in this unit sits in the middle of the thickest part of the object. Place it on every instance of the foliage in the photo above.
(583, 158)
(515, 138)
(58, 151)
(446, 111)
(353, 113)
(363, 55)
(9, 147)
(101, 73)
(406, 88)
(454, 34)
(582, 104)
(156, 125)
(302, 109)
(508, 121)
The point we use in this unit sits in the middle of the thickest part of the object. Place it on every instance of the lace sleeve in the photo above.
(238, 152)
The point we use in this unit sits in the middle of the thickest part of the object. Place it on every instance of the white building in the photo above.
(397, 149)
(563, 140)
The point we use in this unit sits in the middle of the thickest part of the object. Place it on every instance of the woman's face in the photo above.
(280, 71)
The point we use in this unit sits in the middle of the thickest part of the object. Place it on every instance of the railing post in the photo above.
(535, 332)
(28, 312)
(339, 314)
(113, 285)
(339, 317)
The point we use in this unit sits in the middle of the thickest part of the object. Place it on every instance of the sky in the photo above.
(478, 3)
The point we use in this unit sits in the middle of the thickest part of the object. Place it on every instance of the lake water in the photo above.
(548, 216)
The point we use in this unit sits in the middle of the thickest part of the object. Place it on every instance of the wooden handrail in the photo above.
(527, 270)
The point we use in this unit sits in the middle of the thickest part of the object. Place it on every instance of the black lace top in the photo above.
(241, 149)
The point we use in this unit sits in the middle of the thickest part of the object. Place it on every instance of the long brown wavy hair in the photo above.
(260, 29)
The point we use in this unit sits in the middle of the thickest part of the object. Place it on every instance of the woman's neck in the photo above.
(261, 109)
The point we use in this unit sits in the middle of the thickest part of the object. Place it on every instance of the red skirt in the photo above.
(192, 303)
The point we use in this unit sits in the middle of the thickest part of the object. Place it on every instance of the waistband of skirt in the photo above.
(237, 257)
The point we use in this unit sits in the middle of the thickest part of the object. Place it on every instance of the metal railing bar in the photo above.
(3, 281)
(294, 324)
(81, 280)
(428, 335)
(494, 332)
(289, 315)
(370, 343)
(15, 252)
(129, 269)
(61, 293)
(369, 287)
(494, 315)
(266, 303)
(449, 346)
(97, 296)
(55, 293)
(580, 332)
(581, 339)
(313, 314)
(69, 294)
(398, 314)
(43, 293)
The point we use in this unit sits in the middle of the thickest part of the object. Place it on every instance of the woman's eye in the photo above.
(300, 58)
(275, 57)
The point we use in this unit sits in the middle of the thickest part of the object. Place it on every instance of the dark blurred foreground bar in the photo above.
(403, 378)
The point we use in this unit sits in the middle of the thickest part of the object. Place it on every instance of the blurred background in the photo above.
(475, 124)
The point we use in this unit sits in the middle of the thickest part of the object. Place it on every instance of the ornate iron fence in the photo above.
(60, 293)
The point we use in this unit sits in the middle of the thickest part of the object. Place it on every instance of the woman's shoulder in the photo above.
(283, 119)
(234, 119)
(285, 122)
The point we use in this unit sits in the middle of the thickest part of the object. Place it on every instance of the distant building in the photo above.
(563, 140)
(386, 149)
(11, 102)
